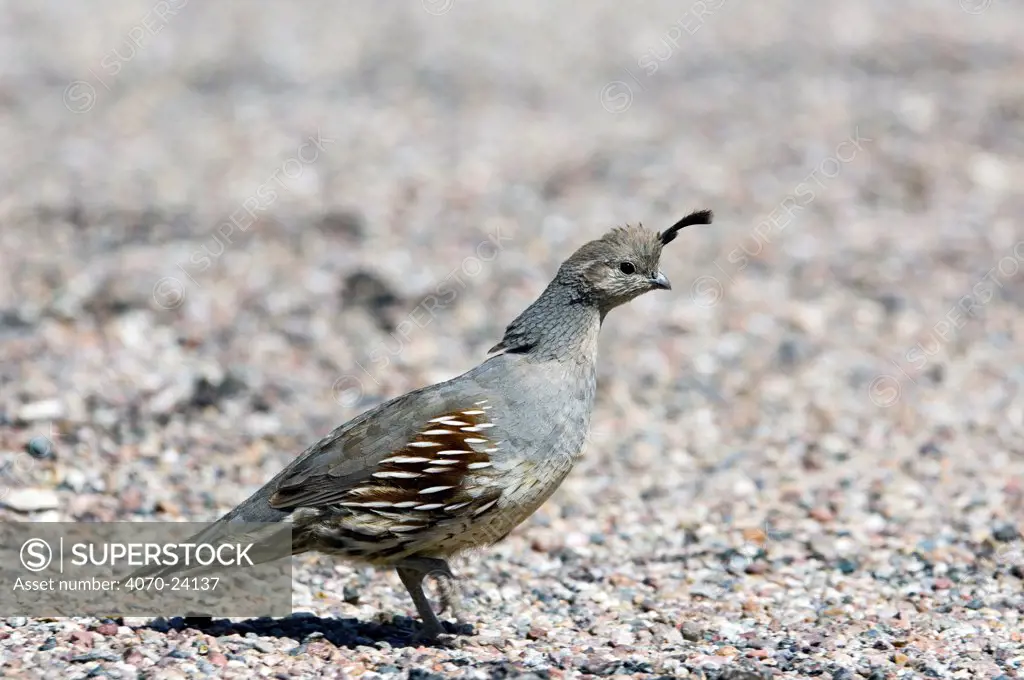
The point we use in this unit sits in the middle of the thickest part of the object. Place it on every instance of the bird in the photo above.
(457, 465)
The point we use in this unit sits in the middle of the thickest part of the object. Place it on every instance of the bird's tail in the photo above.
(253, 523)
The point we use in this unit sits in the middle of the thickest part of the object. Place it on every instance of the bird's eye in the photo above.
(627, 268)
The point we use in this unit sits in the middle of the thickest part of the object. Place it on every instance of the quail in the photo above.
(457, 465)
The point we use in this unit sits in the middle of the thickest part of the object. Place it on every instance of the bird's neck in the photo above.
(559, 325)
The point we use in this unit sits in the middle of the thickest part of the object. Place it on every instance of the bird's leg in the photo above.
(412, 572)
(413, 581)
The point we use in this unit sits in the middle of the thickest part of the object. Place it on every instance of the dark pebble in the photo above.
(40, 448)
(1005, 533)
(12, 319)
(847, 566)
(891, 303)
(370, 292)
(790, 353)
(351, 594)
(205, 393)
(348, 223)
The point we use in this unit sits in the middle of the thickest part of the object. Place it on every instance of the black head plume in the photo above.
(698, 217)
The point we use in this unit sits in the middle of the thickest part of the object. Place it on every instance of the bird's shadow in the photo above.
(306, 628)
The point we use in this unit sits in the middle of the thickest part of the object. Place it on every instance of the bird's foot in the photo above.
(412, 572)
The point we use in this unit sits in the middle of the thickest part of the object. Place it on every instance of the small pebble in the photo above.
(27, 500)
(107, 629)
(691, 631)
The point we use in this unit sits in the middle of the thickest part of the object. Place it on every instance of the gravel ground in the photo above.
(807, 459)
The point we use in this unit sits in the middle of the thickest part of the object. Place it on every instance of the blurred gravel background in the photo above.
(807, 458)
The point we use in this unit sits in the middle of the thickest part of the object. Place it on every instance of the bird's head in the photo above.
(624, 263)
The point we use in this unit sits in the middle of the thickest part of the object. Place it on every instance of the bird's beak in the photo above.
(661, 281)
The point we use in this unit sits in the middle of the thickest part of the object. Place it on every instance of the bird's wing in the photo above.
(421, 451)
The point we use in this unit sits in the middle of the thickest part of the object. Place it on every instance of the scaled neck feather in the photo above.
(561, 324)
